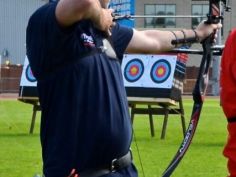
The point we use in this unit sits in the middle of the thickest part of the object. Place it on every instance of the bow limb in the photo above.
(200, 88)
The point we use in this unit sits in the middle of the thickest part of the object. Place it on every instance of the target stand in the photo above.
(157, 82)
(153, 80)
(28, 91)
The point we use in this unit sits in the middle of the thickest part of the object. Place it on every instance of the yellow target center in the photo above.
(134, 70)
(160, 71)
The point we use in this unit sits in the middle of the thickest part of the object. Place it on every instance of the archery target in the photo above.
(27, 77)
(148, 71)
(160, 71)
(133, 70)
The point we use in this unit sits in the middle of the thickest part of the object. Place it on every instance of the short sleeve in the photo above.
(45, 38)
(121, 37)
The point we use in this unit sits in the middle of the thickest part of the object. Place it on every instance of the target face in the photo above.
(29, 74)
(160, 71)
(133, 70)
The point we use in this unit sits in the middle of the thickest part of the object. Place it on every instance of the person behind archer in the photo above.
(228, 98)
(75, 50)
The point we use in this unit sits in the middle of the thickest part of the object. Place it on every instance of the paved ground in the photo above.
(8, 96)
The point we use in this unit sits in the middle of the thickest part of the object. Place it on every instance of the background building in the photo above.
(14, 15)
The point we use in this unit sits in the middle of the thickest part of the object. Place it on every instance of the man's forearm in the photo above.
(69, 12)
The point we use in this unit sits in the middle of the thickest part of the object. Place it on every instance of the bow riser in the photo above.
(214, 15)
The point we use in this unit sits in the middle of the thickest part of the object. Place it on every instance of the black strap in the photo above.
(121, 162)
(115, 165)
(231, 119)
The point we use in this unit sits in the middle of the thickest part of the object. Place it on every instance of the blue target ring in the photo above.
(134, 70)
(29, 74)
(160, 71)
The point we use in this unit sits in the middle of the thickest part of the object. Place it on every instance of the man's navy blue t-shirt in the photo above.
(85, 120)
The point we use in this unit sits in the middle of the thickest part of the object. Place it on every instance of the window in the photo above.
(201, 10)
(160, 22)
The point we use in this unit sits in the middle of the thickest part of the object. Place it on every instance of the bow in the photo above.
(199, 91)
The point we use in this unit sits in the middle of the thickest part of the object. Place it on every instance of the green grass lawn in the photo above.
(20, 153)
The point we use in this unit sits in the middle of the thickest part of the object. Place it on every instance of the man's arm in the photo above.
(69, 12)
(156, 41)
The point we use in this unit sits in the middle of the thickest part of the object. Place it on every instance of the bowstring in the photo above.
(138, 151)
